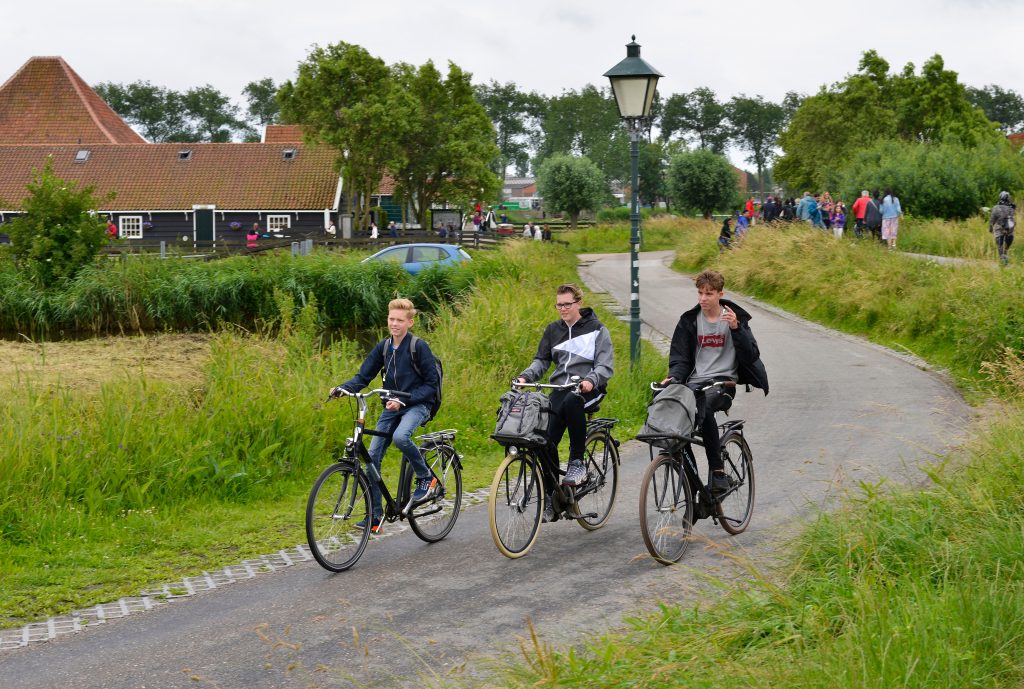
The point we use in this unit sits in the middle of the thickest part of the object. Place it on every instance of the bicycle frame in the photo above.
(356, 453)
(682, 452)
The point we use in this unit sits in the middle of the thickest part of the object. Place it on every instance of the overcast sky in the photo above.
(732, 46)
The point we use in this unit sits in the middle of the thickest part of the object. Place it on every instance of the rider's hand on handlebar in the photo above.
(667, 381)
(337, 392)
(520, 380)
(586, 386)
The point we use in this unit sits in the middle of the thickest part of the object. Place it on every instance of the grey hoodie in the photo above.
(583, 349)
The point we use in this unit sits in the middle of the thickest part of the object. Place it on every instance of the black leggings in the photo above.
(1003, 243)
(707, 404)
(568, 412)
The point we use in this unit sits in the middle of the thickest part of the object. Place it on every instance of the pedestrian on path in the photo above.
(1001, 224)
(891, 212)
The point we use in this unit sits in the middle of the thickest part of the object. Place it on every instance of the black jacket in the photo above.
(683, 352)
(399, 372)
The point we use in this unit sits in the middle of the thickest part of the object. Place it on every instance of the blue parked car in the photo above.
(416, 257)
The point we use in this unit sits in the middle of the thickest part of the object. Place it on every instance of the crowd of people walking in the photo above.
(875, 214)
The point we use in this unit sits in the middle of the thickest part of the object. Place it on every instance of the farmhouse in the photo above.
(192, 192)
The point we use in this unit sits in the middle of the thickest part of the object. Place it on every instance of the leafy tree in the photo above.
(58, 233)
(447, 144)
(348, 100)
(698, 117)
(199, 114)
(261, 96)
(158, 113)
(586, 123)
(651, 167)
(701, 180)
(571, 184)
(213, 115)
(515, 114)
(1005, 107)
(870, 106)
(756, 124)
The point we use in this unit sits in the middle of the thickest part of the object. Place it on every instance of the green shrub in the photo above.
(701, 180)
(944, 180)
(58, 233)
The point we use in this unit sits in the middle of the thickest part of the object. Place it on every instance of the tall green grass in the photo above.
(156, 476)
(956, 238)
(657, 233)
(145, 294)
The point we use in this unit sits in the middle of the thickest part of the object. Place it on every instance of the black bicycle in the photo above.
(516, 501)
(673, 496)
(339, 514)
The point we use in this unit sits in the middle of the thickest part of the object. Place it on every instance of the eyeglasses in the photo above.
(567, 305)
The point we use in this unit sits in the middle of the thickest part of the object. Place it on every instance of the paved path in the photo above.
(407, 606)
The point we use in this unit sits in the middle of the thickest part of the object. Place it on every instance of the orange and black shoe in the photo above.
(426, 488)
(376, 525)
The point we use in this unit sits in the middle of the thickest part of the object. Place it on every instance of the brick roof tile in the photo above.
(151, 176)
(46, 102)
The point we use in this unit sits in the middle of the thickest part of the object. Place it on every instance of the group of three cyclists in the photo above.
(712, 342)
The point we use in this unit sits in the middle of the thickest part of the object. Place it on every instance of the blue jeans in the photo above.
(401, 424)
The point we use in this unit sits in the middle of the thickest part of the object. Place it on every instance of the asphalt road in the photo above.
(840, 411)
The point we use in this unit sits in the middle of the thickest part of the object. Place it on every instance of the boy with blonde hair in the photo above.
(392, 357)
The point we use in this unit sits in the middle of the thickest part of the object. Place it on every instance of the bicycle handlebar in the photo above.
(573, 385)
(339, 392)
(656, 385)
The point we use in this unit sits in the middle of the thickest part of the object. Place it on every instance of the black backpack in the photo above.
(436, 404)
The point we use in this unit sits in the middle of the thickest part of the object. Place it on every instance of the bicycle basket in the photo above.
(671, 413)
(522, 419)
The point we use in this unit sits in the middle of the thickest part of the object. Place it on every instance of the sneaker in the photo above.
(426, 488)
(720, 483)
(549, 509)
(575, 473)
(376, 525)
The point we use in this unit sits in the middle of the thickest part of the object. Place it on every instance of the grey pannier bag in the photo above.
(671, 413)
(522, 418)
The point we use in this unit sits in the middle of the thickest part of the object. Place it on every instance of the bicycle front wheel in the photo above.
(603, 479)
(736, 507)
(516, 503)
(434, 519)
(337, 516)
(666, 509)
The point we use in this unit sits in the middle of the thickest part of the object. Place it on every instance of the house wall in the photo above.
(172, 226)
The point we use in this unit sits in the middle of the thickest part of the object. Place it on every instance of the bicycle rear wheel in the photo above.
(434, 519)
(340, 499)
(603, 470)
(666, 509)
(736, 507)
(516, 503)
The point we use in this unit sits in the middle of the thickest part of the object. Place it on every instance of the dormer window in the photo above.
(185, 154)
(289, 154)
(82, 155)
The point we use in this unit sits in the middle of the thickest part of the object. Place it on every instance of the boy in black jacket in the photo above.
(402, 416)
(713, 342)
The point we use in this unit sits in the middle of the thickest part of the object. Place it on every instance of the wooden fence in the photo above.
(234, 246)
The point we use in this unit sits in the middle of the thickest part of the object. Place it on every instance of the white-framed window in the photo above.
(131, 227)
(276, 223)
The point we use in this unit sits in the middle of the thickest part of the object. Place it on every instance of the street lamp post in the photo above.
(633, 84)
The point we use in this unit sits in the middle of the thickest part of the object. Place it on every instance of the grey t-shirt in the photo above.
(716, 355)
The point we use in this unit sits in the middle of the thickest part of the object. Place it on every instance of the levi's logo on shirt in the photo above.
(717, 340)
